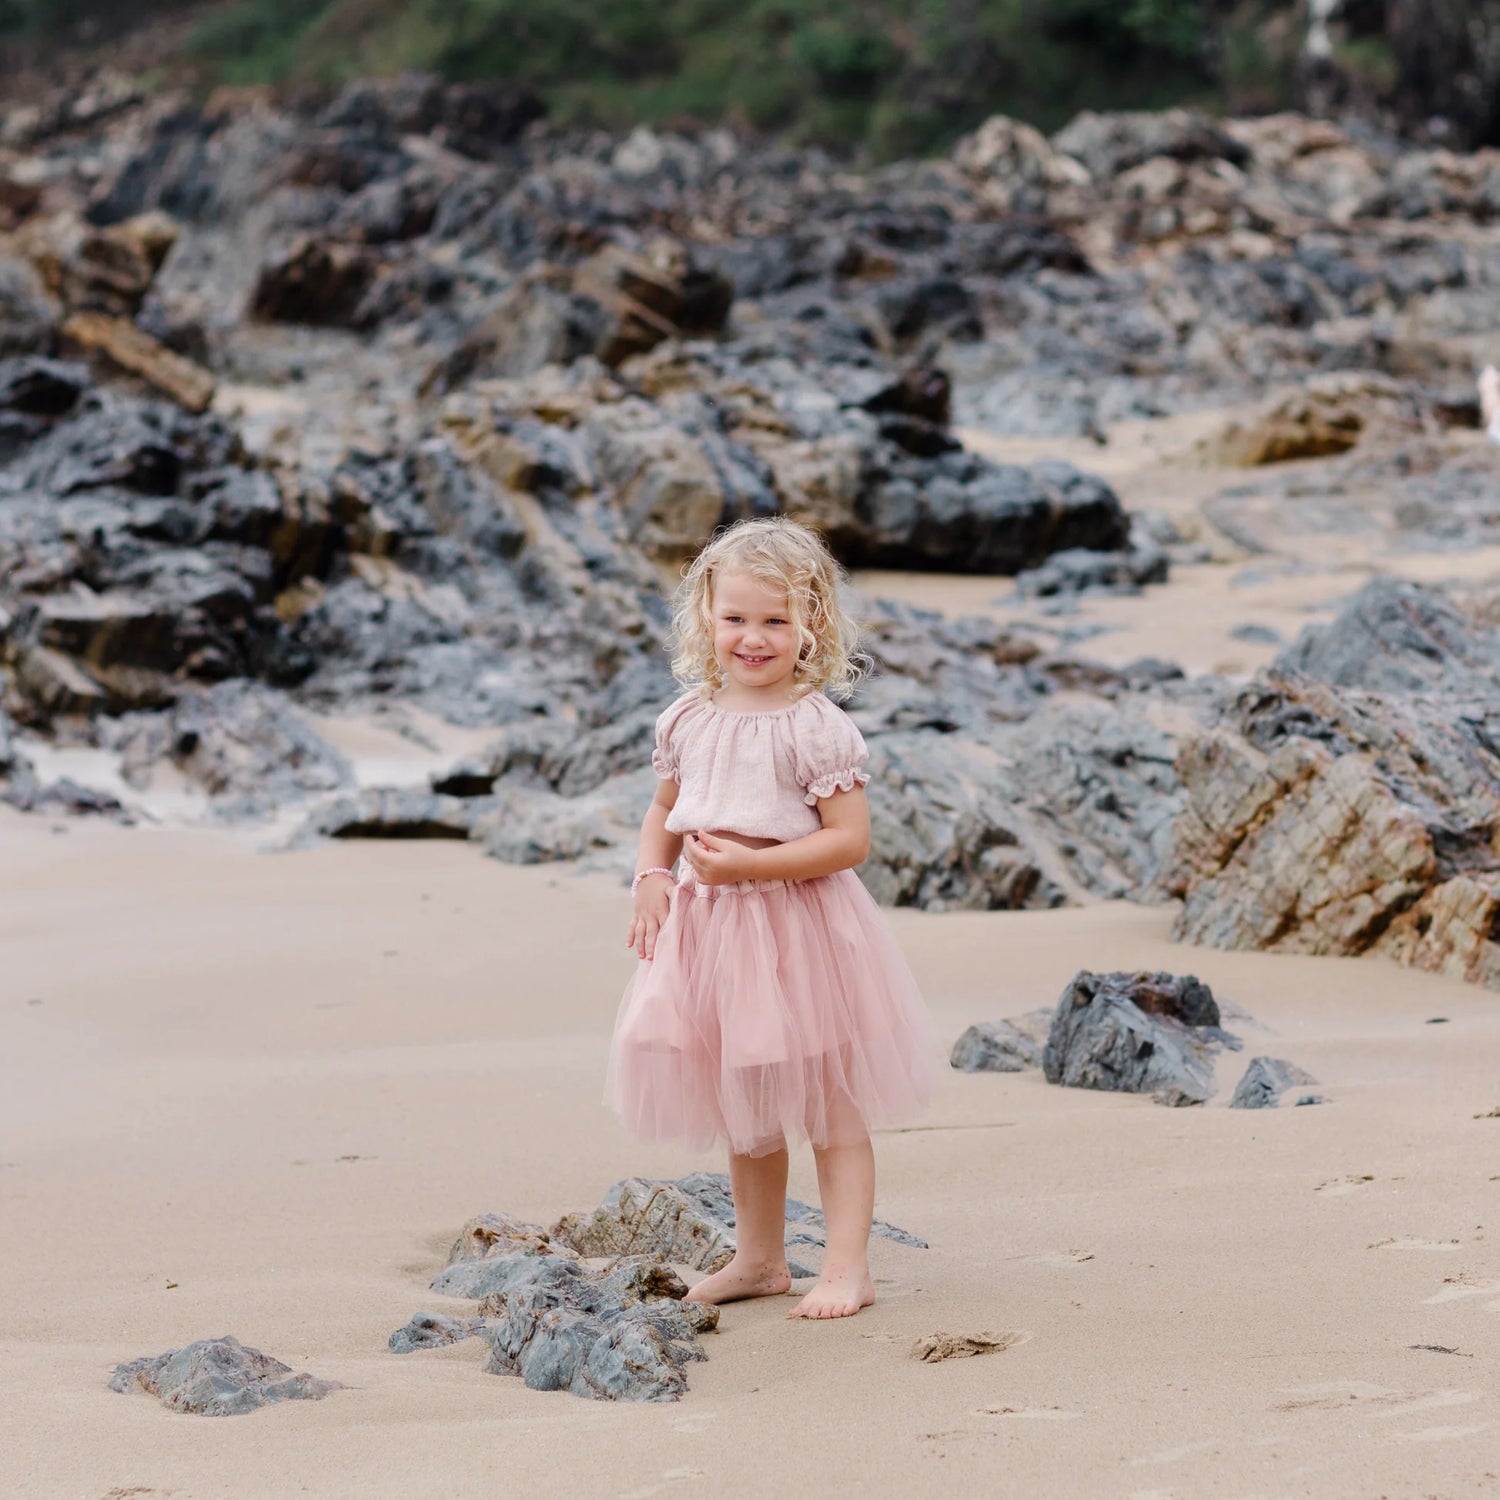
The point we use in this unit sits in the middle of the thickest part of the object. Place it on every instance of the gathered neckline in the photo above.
(758, 713)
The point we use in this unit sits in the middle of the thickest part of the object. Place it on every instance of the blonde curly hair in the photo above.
(781, 554)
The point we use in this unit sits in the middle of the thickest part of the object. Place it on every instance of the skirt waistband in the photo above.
(690, 885)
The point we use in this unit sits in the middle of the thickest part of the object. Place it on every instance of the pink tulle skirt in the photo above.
(774, 1011)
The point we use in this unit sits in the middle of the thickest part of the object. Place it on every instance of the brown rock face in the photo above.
(1329, 821)
(1329, 415)
(317, 281)
(647, 1218)
(125, 345)
(105, 270)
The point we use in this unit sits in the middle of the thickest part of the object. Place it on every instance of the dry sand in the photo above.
(256, 1093)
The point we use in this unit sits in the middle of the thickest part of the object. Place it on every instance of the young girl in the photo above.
(770, 1002)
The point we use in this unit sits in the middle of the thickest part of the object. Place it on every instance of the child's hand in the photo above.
(718, 861)
(653, 900)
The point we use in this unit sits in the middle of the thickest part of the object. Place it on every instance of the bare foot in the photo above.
(741, 1279)
(837, 1294)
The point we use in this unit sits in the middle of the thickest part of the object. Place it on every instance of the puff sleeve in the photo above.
(829, 753)
(667, 751)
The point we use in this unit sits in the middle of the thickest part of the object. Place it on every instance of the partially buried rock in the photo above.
(1136, 1033)
(433, 1331)
(1265, 1081)
(618, 1332)
(621, 1333)
(218, 1378)
(995, 1047)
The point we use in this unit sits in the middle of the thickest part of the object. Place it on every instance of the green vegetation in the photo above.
(890, 77)
(893, 76)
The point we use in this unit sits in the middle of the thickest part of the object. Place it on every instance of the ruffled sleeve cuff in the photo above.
(834, 781)
(666, 752)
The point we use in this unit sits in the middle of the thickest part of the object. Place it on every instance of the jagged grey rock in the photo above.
(640, 1217)
(1265, 1080)
(428, 1330)
(995, 1047)
(218, 1377)
(622, 1333)
(1136, 1033)
(1079, 570)
(1399, 637)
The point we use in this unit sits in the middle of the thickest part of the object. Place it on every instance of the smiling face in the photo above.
(754, 638)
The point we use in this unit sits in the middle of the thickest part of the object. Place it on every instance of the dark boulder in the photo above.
(316, 281)
(1136, 1033)
(959, 512)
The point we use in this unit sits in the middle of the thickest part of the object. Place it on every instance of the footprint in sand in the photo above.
(1464, 1284)
(1409, 1243)
(1440, 1434)
(1355, 1395)
(1031, 1413)
(1336, 1187)
(1176, 1455)
(670, 1478)
(1058, 1258)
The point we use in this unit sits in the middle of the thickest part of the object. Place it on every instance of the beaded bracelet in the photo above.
(640, 875)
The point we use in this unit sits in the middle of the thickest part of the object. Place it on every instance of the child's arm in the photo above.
(657, 849)
(841, 843)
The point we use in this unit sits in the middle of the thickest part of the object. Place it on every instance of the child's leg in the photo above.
(759, 1266)
(846, 1180)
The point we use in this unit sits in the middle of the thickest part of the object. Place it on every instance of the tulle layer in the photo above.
(774, 1011)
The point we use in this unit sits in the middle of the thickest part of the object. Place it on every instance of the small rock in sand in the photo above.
(1265, 1081)
(218, 1378)
(433, 1331)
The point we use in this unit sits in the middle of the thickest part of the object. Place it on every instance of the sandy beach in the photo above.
(259, 1093)
(402, 416)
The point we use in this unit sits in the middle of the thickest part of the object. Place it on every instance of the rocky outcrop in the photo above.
(1323, 819)
(619, 1331)
(1329, 414)
(479, 388)
(1398, 637)
(1151, 1034)
(218, 1378)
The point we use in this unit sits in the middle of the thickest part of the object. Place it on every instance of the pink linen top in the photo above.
(759, 774)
